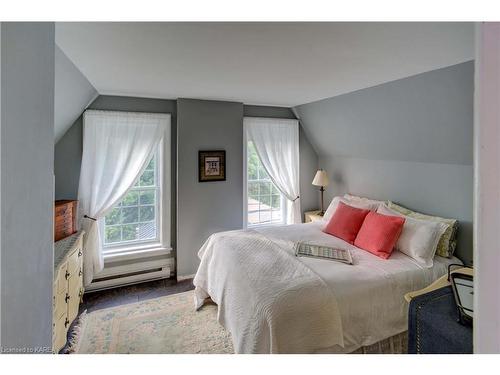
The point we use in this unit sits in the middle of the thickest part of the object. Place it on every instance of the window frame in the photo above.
(158, 189)
(284, 205)
(162, 243)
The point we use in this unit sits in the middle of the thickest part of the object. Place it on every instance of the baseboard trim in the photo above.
(185, 277)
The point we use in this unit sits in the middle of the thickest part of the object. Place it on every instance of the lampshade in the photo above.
(321, 178)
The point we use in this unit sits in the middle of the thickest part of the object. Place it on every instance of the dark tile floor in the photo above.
(133, 293)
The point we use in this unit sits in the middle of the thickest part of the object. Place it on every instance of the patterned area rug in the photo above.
(160, 325)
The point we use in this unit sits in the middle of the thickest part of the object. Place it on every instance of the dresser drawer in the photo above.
(59, 332)
(75, 284)
(74, 303)
(75, 262)
(60, 305)
(61, 279)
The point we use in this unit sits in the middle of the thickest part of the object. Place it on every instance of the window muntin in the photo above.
(265, 203)
(135, 219)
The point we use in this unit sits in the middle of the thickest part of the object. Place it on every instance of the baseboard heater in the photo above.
(136, 272)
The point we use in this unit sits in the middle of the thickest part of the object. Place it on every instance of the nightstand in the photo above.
(312, 216)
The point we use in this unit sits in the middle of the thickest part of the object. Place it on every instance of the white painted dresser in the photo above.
(68, 286)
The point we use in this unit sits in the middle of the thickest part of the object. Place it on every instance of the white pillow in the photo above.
(355, 198)
(419, 238)
(358, 204)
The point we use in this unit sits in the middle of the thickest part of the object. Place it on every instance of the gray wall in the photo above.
(27, 185)
(73, 92)
(205, 208)
(409, 141)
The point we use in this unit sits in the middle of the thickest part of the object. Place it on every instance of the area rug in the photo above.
(160, 325)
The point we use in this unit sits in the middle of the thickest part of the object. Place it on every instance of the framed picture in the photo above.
(212, 165)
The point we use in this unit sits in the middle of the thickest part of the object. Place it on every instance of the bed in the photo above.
(274, 302)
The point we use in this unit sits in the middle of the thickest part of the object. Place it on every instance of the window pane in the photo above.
(131, 199)
(265, 188)
(113, 234)
(130, 215)
(147, 197)
(263, 198)
(114, 217)
(252, 162)
(276, 201)
(151, 165)
(253, 189)
(146, 213)
(134, 218)
(147, 178)
(146, 231)
(129, 232)
(262, 173)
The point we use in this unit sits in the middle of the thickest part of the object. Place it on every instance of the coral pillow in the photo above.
(345, 222)
(379, 233)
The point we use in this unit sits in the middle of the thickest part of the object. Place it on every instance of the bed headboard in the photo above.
(437, 189)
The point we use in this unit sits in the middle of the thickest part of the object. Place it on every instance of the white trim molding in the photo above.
(486, 189)
(185, 277)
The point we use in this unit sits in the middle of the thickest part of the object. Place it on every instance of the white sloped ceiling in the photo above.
(270, 63)
(73, 93)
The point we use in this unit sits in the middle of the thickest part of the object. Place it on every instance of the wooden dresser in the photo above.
(67, 288)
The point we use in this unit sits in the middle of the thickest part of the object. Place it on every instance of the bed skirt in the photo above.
(397, 344)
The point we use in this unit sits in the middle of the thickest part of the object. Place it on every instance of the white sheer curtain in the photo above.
(277, 144)
(116, 149)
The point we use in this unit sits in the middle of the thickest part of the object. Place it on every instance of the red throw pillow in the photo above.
(379, 233)
(345, 222)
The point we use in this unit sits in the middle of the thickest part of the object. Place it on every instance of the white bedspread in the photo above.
(270, 300)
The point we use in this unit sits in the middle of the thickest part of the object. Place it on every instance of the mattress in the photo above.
(370, 293)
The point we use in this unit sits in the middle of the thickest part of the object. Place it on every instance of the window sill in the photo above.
(135, 252)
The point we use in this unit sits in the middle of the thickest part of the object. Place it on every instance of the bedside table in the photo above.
(312, 216)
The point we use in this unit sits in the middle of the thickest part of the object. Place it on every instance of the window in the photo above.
(265, 203)
(135, 220)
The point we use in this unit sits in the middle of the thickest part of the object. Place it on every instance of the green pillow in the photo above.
(448, 241)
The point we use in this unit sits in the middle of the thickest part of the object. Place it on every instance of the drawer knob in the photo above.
(80, 253)
(66, 275)
(67, 298)
(80, 273)
(66, 323)
(80, 294)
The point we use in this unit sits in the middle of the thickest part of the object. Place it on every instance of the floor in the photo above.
(128, 294)
(133, 293)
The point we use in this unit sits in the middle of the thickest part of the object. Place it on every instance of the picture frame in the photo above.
(211, 165)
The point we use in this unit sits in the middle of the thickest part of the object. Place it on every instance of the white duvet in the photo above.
(273, 302)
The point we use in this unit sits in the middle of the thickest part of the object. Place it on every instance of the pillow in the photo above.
(358, 204)
(345, 222)
(448, 241)
(419, 238)
(379, 233)
(355, 198)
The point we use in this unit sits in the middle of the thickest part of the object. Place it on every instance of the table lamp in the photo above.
(321, 179)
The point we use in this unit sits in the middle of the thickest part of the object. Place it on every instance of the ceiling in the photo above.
(283, 64)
